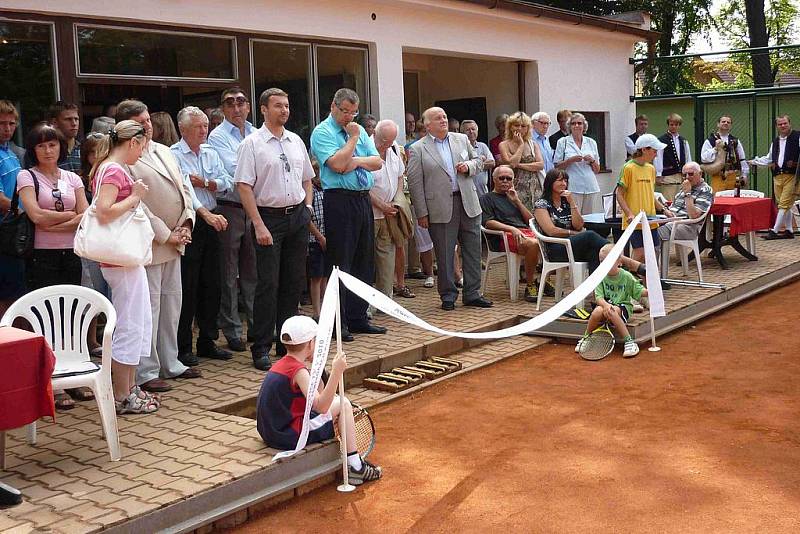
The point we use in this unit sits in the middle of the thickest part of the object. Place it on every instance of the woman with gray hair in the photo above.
(102, 125)
(577, 154)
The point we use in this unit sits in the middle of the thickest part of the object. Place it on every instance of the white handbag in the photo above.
(127, 241)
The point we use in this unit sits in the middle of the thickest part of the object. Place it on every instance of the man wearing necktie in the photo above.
(446, 202)
(346, 156)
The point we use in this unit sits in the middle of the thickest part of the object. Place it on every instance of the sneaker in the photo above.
(787, 234)
(637, 308)
(531, 293)
(580, 344)
(549, 290)
(428, 282)
(404, 292)
(631, 349)
(367, 473)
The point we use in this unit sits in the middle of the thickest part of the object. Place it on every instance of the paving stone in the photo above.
(70, 526)
(133, 506)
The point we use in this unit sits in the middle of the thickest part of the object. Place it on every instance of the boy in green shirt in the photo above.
(613, 298)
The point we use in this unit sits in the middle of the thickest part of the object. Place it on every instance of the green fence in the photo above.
(753, 118)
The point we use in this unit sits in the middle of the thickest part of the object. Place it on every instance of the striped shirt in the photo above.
(702, 195)
(72, 162)
(317, 216)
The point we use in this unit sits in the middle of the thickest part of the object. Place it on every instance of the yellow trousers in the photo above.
(784, 185)
(724, 182)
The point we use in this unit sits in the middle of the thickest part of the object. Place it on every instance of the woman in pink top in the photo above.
(116, 194)
(56, 211)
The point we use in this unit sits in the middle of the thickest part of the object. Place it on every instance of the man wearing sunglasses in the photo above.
(273, 175)
(238, 250)
(692, 200)
(347, 157)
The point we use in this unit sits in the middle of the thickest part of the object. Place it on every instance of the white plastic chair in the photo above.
(578, 269)
(62, 314)
(685, 246)
(512, 262)
(750, 237)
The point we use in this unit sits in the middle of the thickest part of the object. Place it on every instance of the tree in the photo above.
(754, 24)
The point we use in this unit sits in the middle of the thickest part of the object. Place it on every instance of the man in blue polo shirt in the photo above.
(346, 156)
(12, 270)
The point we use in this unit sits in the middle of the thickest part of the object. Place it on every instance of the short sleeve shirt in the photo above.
(275, 167)
(702, 195)
(561, 215)
(68, 186)
(114, 174)
(9, 168)
(619, 289)
(497, 207)
(581, 176)
(328, 137)
(639, 182)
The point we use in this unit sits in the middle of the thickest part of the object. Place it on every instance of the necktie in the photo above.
(361, 174)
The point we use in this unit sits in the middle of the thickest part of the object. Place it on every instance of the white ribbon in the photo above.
(390, 307)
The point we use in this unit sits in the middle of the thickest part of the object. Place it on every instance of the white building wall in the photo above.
(579, 66)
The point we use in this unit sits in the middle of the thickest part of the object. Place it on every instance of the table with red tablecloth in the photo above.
(747, 214)
(26, 366)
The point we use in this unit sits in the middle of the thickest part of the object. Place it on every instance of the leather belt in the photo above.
(288, 210)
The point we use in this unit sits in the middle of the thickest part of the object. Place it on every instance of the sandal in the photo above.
(404, 292)
(63, 401)
(135, 405)
(81, 394)
(145, 395)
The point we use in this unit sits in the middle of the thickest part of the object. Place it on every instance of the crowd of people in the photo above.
(246, 220)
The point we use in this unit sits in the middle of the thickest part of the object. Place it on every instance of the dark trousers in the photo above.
(49, 267)
(281, 269)
(586, 247)
(201, 279)
(350, 237)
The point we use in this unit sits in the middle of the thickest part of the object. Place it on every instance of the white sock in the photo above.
(787, 219)
(779, 220)
(354, 461)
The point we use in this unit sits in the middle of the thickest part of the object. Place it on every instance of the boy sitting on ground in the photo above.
(282, 400)
(613, 298)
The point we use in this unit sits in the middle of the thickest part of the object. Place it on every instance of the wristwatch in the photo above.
(205, 183)
(310, 207)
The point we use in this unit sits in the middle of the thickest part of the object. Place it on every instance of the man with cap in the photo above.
(636, 190)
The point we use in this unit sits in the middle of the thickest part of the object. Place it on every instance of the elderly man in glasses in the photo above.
(692, 200)
(238, 252)
(347, 156)
(273, 174)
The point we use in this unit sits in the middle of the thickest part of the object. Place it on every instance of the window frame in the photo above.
(53, 48)
(365, 98)
(234, 59)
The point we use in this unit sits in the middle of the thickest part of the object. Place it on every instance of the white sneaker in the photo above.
(581, 343)
(637, 308)
(631, 349)
(428, 282)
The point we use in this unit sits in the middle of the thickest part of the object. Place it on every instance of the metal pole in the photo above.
(345, 486)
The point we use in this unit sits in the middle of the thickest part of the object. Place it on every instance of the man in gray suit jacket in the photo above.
(440, 167)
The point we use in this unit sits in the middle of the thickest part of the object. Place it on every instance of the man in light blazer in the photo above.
(440, 167)
(172, 217)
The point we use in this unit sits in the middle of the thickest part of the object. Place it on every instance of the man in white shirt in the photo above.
(205, 176)
(273, 174)
(735, 164)
(782, 158)
(670, 160)
(388, 179)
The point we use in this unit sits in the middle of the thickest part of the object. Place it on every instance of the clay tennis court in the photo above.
(701, 437)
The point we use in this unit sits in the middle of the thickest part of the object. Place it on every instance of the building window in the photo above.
(286, 66)
(28, 70)
(104, 51)
(339, 67)
(597, 130)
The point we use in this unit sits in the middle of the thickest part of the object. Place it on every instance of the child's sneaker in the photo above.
(367, 473)
(638, 308)
(631, 349)
(581, 343)
(531, 293)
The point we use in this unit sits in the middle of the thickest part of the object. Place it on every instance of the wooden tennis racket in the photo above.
(598, 344)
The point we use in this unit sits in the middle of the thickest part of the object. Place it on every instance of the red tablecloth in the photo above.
(747, 214)
(26, 365)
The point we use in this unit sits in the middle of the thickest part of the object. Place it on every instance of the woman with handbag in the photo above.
(116, 196)
(54, 200)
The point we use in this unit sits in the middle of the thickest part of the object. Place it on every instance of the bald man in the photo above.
(440, 170)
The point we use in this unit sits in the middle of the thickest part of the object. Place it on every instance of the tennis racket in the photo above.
(598, 344)
(365, 430)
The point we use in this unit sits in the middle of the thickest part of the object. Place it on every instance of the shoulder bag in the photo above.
(127, 241)
(16, 229)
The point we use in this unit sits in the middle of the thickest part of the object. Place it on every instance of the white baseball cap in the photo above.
(649, 141)
(298, 329)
